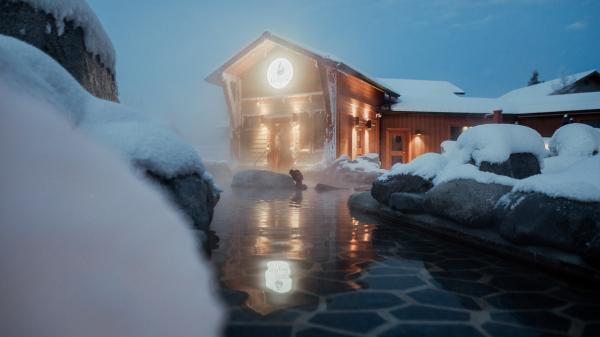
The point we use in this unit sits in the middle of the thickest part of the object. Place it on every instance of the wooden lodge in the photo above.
(290, 106)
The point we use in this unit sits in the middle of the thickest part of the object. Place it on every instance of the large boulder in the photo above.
(407, 202)
(194, 195)
(537, 219)
(364, 202)
(65, 41)
(262, 179)
(383, 189)
(467, 202)
(518, 166)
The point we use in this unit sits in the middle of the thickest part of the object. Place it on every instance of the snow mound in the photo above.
(140, 139)
(578, 182)
(427, 166)
(449, 148)
(79, 12)
(365, 163)
(87, 248)
(578, 140)
(456, 170)
(495, 143)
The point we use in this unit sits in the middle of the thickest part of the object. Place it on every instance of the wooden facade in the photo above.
(328, 109)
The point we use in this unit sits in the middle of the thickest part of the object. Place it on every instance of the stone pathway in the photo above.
(341, 276)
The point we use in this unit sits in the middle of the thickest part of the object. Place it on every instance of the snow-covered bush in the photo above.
(86, 248)
(575, 140)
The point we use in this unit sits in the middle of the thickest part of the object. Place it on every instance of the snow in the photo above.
(140, 139)
(456, 170)
(495, 143)
(427, 166)
(87, 248)
(579, 140)
(449, 147)
(440, 97)
(366, 163)
(578, 182)
(79, 12)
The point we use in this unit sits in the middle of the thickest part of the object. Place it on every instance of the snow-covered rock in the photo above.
(150, 146)
(362, 171)
(86, 247)
(262, 179)
(426, 166)
(466, 201)
(407, 183)
(579, 181)
(539, 219)
(518, 166)
(575, 140)
(494, 143)
(69, 32)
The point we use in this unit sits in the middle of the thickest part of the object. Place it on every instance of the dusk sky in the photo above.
(165, 49)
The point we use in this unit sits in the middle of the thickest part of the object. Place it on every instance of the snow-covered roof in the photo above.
(545, 88)
(439, 97)
(215, 76)
(421, 88)
(79, 12)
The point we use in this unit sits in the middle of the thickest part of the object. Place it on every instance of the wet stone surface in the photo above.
(299, 264)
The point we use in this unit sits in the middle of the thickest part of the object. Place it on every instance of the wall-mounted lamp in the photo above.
(419, 132)
(378, 115)
(369, 124)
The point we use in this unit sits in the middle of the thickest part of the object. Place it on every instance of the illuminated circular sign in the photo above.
(280, 73)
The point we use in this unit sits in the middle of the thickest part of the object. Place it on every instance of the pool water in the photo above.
(300, 264)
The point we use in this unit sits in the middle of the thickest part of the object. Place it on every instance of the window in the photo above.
(455, 131)
(397, 144)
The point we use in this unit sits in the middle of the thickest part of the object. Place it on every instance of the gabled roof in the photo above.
(422, 87)
(548, 87)
(439, 97)
(216, 76)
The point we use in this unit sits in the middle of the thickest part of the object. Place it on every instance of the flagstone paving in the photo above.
(338, 275)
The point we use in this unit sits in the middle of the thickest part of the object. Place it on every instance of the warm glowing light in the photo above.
(465, 128)
(278, 276)
(280, 73)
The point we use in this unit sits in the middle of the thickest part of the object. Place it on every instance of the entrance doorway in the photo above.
(280, 145)
(396, 141)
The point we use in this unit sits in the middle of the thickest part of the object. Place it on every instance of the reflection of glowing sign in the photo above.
(280, 73)
(277, 276)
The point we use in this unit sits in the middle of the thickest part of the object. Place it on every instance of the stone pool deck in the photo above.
(548, 259)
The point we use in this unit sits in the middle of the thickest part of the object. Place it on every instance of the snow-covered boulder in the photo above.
(538, 219)
(465, 201)
(383, 189)
(518, 166)
(407, 202)
(262, 179)
(362, 171)
(87, 248)
(68, 31)
(510, 150)
(150, 146)
(575, 140)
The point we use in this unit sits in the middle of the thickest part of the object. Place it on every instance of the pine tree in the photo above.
(534, 78)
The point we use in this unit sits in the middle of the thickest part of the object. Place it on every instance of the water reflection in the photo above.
(279, 247)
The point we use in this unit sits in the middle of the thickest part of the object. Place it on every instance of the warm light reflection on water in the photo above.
(272, 241)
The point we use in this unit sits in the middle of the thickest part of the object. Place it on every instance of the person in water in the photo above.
(298, 178)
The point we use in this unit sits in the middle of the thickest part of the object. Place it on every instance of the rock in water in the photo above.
(364, 202)
(518, 166)
(65, 42)
(465, 201)
(383, 189)
(324, 188)
(537, 219)
(193, 195)
(262, 179)
(407, 202)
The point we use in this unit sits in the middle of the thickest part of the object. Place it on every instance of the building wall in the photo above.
(356, 98)
(434, 127)
(547, 124)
